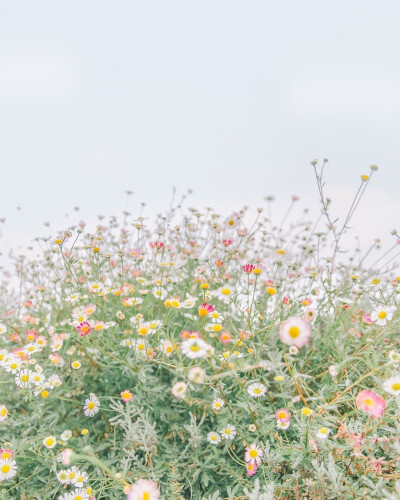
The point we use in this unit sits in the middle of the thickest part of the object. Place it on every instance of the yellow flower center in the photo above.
(306, 411)
(146, 496)
(257, 390)
(396, 386)
(217, 328)
(80, 479)
(194, 347)
(143, 330)
(3, 412)
(294, 331)
(225, 291)
(6, 468)
(25, 378)
(253, 453)
(382, 314)
(49, 442)
(71, 475)
(227, 431)
(282, 414)
(368, 401)
(323, 430)
(91, 405)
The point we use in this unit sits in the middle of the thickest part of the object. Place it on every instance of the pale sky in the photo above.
(232, 99)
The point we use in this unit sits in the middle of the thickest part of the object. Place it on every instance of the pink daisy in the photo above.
(83, 328)
(371, 403)
(282, 414)
(251, 469)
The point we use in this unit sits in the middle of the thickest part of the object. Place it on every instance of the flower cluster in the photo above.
(199, 358)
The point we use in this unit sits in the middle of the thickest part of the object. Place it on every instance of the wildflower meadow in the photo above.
(203, 356)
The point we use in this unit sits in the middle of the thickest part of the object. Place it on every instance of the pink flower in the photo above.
(371, 403)
(84, 328)
(126, 396)
(282, 414)
(66, 456)
(144, 489)
(367, 319)
(251, 469)
(248, 268)
(186, 334)
(225, 337)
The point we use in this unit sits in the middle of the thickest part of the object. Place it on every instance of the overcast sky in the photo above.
(229, 98)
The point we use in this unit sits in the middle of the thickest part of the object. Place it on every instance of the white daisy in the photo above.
(229, 432)
(66, 435)
(323, 433)
(73, 472)
(13, 365)
(8, 468)
(3, 328)
(257, 390)
(79, 479)
(392, 385)
(283, 425)
(79, 494)
(217, 404)
(23, 379)
(49, 442)
(3, 413)
(382, 315)
(38, 378)
(54, 381)
(213, 437)
(91, 406)
(63, 477)
(224, 294)
(195, 348)
(253, 454)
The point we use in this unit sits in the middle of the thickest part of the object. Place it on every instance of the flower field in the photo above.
(201, 356)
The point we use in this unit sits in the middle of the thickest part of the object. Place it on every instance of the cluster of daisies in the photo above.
(229, 324)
